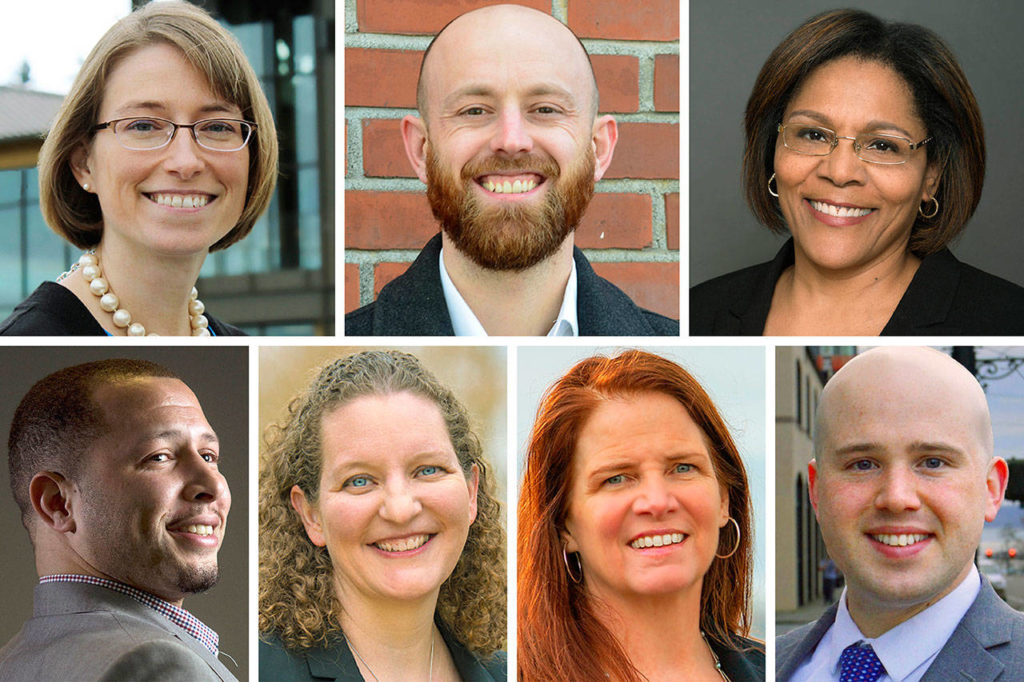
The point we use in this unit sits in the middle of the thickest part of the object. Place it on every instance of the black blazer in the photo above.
(52, 310)
(945, 297)
(745, 664)
(278, 664)
(413, 305)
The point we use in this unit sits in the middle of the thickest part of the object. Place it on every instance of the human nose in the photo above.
(511, 136)
(842, 166)
(897, 491)
(400, 504)
(655, 497)
(184, 157)
(204, 480)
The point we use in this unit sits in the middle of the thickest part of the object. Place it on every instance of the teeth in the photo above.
(199, 529)
(900, 540)
(403, 545)
(506, 187)
(839, 211)
(181, 201)
(657, 540)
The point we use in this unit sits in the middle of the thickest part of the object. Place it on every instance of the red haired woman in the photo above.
(635, 547)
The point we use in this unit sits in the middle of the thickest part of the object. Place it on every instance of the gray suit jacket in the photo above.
(87, 632)
(988, 645)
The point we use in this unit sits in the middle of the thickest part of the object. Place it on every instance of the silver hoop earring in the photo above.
(934, 213)
(774, 194)
(568, 569)
(737, 546)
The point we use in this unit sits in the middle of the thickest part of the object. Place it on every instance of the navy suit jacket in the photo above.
(413, 305)
(987, 645)
(945, 297)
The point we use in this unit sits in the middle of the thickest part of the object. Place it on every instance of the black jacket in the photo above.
(745, 664)
(413, 305)
(52, 310)
(945, 298)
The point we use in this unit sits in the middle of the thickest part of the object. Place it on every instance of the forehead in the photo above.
(382, 428)
(505, 48)
(852, 86)
(158, 73)
(135, 402)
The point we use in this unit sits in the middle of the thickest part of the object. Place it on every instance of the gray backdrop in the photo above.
(220, 378)
(729, 42)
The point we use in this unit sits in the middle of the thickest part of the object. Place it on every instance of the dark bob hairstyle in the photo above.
(942, 97)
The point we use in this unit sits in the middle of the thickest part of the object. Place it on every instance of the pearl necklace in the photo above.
(89, 264)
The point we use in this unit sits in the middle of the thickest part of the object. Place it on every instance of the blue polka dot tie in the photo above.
(859, 664)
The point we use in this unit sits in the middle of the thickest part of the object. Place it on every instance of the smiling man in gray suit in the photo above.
(114, 468)
(902, 483)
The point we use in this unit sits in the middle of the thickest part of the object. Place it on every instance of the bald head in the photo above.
(497, 37)
(908, 387)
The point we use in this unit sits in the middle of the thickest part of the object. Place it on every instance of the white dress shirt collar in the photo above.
(465, 322)
(907, 650)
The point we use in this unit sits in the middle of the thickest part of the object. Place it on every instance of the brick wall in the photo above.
(630, 232)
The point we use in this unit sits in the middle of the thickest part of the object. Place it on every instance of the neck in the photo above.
(393, 638)
(890, 273)
(508, 303)
(153, 288)
(660, 634)
(875, 617)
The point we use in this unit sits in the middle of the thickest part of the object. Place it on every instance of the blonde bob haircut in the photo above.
(76, 214)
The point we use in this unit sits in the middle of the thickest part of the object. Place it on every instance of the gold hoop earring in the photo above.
(737, 546)
(774, 194)
(568, 569)
(934, 213)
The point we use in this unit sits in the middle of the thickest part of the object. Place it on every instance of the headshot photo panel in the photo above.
(838, 159)
(125, 465)
(546, 138)
(641, 513)
(898, 513)
(382, 551)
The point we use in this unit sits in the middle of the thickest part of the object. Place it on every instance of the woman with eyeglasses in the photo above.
(164, 150)
(865, 142)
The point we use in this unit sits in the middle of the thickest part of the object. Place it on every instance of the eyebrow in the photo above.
(482, 90)
(872, 125)
(625, 463)
(174, 433)
(152, 105)
(920, 447)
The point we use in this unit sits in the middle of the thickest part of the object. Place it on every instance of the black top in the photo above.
(52, 310)
(335, 662)
(745, 663)
(413, 305)
(945, 297)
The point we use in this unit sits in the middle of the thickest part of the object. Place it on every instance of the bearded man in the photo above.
(510, 145)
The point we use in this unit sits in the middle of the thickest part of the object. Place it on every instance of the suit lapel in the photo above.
(794, 648)
(988, 623)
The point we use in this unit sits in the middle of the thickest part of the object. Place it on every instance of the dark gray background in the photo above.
(729, 42)
(220, 378)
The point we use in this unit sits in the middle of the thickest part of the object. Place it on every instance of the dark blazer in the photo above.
(743, 665)
(413, 305)
(987, 645)
(88, 632)
(946, 297)
(278, 664)
(52, 310)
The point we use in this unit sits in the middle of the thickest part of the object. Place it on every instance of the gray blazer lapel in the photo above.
(989, 623)
(793, 648)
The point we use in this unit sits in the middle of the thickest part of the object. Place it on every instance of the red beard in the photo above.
(515, 236)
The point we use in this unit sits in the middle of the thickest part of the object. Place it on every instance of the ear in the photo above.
(50, 493)
(605, 135)
(932, 175)
(995, 483)
(567, 538)
(310, 516)
(812, 480)
(724, 511)
(414, 135)
(79, 163)
(473, 483)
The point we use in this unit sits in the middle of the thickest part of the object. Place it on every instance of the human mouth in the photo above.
(201, 531)
(504, 184)
(179, 200)
(900, 540)
(839, 211)
(406, 544)
(662, 540)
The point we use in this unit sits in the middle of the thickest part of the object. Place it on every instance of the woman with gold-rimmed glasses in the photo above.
(120, 179)
(865, 142)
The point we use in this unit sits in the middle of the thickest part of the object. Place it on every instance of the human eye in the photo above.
(813, 135)
(933, 463)
(887, 146)
(862, 465)
(210, 456)
(430, 470)
(617, 479)
(683, 468)
(357, 483)
(473, 111)
(158, 458)
(219, 127)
